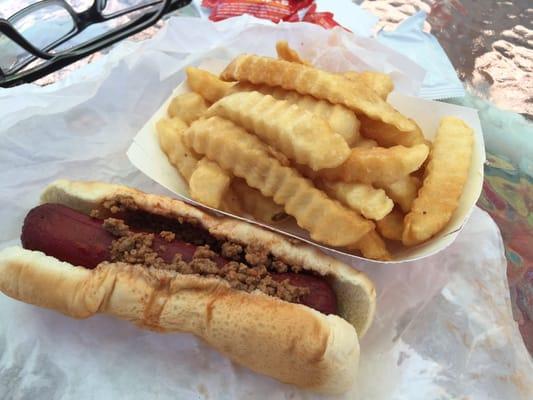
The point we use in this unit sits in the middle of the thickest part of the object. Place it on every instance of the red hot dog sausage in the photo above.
(74, 237)
(67, 235)
(321, 297)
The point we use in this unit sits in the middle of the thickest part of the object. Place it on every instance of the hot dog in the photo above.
(69, 235)
(277, 306)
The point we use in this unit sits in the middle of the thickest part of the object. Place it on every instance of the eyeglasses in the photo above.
(50, 34)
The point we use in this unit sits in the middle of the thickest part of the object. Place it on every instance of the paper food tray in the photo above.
(145, 154)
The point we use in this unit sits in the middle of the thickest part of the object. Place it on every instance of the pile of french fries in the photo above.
(277, 138)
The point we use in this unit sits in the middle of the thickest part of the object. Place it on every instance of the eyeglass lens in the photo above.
(41, 26)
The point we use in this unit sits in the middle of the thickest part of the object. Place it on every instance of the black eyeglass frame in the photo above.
(81, 20)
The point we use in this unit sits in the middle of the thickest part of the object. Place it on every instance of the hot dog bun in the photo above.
(290, 342)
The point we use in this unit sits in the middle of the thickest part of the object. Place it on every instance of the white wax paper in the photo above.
(443, 327)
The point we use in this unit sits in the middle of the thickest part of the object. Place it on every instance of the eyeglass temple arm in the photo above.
(122, 34)
(7, 29)
(120, 13)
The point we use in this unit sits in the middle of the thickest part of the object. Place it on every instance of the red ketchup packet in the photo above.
(324, 19)
(274, 10)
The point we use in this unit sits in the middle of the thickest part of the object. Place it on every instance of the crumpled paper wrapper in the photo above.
(443, 328)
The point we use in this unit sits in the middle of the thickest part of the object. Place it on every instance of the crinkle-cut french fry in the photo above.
(446, 175)
(377, 81)
(246, 156)
(208, 183)
(366, 143)
(403, 192)
(278, 155)
(254, 203)
(170, 134)
(299, 134)
(306, 171)
(378, 164)
(207, 85)
(188, 107)
(320, 84)
(288, 54)
(391, 226)
(372, 246)
(230, 202)
(340, 118)
(370, 202)
(387, 135)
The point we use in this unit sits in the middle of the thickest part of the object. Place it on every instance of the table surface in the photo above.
(490, 43)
